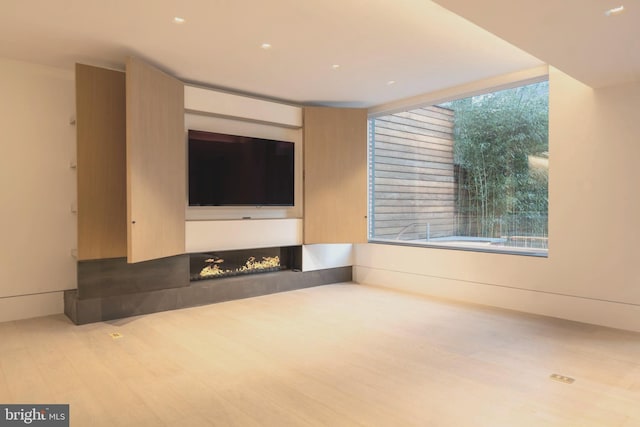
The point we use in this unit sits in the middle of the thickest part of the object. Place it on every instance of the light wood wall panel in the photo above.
(101, 174)
(156, 163)
(335, 175)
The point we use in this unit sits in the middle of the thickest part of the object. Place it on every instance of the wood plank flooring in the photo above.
(335, 355)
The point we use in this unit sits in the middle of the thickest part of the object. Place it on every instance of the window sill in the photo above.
(473, 245)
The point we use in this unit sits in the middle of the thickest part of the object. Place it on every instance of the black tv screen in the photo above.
(230, 170)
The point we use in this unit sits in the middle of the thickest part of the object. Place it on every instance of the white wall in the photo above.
(37, 188)
(592, 273)
(224, 235)
(322, 256)
(224, 104)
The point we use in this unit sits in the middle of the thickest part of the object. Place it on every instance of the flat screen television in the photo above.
(231, 170)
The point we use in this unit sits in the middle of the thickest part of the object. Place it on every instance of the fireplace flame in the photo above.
(251, 265)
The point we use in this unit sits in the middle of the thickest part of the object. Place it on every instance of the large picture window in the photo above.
(471, 173)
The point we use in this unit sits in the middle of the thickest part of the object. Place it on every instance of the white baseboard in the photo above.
(580, 309)
(28, 306)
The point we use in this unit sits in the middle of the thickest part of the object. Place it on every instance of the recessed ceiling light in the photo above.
(335, 66)
(391, 82)
(266, 45)
(178, 20)
(615, 11)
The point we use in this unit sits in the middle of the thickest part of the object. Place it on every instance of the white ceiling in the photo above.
(574, 36)
(417, 43)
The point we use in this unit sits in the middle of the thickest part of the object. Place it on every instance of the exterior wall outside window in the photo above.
(470, 173)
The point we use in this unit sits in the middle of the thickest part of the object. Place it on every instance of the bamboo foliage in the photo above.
(496, 137)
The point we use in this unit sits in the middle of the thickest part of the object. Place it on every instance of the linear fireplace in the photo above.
(219, 264)
(112, 288)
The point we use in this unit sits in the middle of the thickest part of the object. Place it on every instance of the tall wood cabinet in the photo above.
(131, 162)
(156, 163)
(335, 175)
(101, 172)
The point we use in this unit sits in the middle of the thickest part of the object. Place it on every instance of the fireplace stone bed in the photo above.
(112, 289)
(217, 265)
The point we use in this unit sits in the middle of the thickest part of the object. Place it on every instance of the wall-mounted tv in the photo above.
(231, 170)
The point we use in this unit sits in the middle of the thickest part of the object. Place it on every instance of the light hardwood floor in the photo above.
(336, 355)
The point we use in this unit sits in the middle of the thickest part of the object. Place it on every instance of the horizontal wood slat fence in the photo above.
(413, 175)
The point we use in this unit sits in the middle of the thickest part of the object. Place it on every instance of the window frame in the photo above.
(436, 99)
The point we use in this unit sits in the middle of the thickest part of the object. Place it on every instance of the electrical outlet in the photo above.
(562, 378)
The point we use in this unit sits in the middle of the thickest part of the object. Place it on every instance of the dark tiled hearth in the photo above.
(112, 289)
(112, 277)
